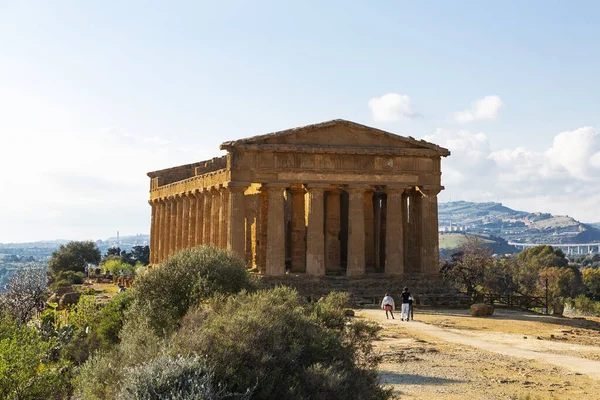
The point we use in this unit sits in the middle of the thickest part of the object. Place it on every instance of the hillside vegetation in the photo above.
(514, 226)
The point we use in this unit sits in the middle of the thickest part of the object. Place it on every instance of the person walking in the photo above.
(388, 305)
(406, 297)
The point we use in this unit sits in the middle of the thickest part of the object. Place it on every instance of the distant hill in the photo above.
(596, 225)
(514, 226)
(451, 241)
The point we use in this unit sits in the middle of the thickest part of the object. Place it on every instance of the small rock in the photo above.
(539, 338)
(349, 313)
(551, 336)
(524, 337)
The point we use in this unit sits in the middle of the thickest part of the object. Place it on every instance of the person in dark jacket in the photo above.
(406, 298)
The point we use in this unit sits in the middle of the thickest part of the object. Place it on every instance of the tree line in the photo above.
(532, 272)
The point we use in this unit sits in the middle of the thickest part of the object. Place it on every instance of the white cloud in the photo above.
(562, 180)
(486, 108)
(391, 107)
(577, 152)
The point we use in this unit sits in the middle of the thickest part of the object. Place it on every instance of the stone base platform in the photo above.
(425, 289)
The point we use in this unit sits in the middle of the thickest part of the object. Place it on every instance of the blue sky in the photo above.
(94, 95)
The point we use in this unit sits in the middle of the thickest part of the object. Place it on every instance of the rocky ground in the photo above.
(448, 354)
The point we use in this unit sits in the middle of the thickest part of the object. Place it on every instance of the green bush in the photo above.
(176, 378)
(26, 369)
(271, 340)
(100, 377)
(112, 318)
(165, 293)
(585, 305)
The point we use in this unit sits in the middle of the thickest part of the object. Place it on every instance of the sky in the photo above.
(93, 95)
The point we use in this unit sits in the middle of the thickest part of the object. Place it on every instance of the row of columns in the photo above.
(406, 219)
(322, 223)
(213, 216)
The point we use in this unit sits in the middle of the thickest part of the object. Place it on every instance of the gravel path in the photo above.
(575, 364)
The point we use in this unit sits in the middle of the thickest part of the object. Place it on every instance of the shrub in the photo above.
(177, 378)
(26, 371)
(165, 293)
(100, 377)
(585, 305)
(269, 339)
(112, 317)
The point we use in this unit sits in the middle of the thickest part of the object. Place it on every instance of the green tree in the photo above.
(74, 256)
(117, 267)
(591, 280)
(543, 256)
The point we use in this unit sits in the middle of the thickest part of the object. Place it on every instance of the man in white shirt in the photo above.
(388, 304)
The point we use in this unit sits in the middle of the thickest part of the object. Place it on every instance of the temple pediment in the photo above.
(337, 136)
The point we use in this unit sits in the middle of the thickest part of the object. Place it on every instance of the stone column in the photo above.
(164, 233)
(369, 230)
(377, 231)
(199, 230)
(356, 230)
(414, 232)
(191, 238)
(394, 245)
(263, 218)
(185, 217)
(315, 238)
(172, 224)
(429, 231)
(236, 235)
(275, 230)
(332, 230)
(298, 240)
(153, 230)
(223, 219)
(406, 230)
(179, 222)
(206, 213)
(215, 214)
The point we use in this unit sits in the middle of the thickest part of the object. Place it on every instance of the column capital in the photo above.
(321, 187)
(297, 188)
(276, 185)
(429, 190)
(236, 186)
(358, 187)
(396, 189)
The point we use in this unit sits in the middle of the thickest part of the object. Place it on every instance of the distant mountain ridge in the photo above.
(58, 242)
(515, 226)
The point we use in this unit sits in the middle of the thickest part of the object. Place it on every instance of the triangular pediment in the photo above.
(336, 133)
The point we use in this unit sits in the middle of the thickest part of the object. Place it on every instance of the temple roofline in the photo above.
(260, 138)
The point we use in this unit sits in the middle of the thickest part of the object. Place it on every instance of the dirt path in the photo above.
(453, 356)
(521, 350)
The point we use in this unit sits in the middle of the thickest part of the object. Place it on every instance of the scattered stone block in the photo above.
(482, 310)
(69, 299)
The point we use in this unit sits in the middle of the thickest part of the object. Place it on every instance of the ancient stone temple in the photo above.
(335, 198)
